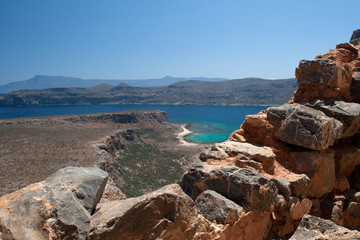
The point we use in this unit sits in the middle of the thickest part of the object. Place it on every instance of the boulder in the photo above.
(341, 184)
(348, 113)
(319, 167)
(304, 126)
(214, 206)
(167, 213)
(321, 79)
(245, 187)
(351, 213)
(57, 208)
(312, 227)
(261, 154)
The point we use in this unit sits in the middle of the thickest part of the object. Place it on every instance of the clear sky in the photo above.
(132, 39)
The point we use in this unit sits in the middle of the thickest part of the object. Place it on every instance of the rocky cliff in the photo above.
(279, 176)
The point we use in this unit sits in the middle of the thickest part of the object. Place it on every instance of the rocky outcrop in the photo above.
(60, 207)
(312, 227)
(314, 141)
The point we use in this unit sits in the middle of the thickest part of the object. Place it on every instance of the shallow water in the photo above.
(209, 124)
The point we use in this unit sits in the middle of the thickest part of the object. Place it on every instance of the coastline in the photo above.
(181, 136)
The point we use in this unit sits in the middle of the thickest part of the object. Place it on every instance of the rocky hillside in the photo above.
(248, 91)
(289, 172)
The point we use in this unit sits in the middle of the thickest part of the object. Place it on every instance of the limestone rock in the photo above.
(312, 227)
(167, 213)
(57, 208)
(347, 113)
(245, 187)
(304, 126)
(214, 206)
(319, 167)
(261, 154)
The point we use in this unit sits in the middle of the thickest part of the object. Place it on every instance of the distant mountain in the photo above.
(248, 91)
(43, 82)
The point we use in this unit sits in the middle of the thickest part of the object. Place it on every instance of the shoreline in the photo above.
(181, 136)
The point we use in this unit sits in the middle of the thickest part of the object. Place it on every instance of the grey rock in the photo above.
(57, 208)
(348, 113)
(312, 227)
(318, 71)
(283, 186)
(245, 187)
(167, 213)
(304, 126)
(355, 37)
(214, 206)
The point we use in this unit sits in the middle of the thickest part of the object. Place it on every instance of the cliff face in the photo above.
(282, 164)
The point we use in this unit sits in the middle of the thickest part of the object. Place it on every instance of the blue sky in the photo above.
(133, 39)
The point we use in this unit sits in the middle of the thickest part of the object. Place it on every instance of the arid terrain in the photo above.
(31, 149)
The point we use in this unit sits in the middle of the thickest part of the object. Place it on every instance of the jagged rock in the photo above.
(245, 163)
(245, 187)
(214, 206)
(283, 186)
(319, 167)
(57, 208)
(355, 37)
(304, 126)
(321, 79)
(299, 184)
(262, 154)
(347, 113)
(312, 227)
(300, 208)
(347, 157)
(167, 213)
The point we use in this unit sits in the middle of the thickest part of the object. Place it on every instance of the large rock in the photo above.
(57, 208)
(261, 154)
(304, 126)
(312, 227)
(214, 206)
(245, 187)
(321, 79)
(167, 213)
(347, 113)
(319, 167)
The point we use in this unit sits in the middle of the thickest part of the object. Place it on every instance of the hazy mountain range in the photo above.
(247, 91)
(43, 82)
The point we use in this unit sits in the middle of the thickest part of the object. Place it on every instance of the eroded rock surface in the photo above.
(57, 208)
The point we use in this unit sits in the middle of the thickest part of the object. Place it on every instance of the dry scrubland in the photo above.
(32, 149)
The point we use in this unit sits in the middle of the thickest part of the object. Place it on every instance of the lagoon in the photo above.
(209, 124)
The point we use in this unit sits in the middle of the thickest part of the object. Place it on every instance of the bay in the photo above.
(209, 124)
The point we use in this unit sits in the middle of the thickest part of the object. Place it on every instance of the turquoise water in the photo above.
(209, 124)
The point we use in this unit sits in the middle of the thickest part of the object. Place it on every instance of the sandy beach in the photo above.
(183, 134)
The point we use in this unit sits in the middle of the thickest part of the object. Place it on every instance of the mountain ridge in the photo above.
(46, 81)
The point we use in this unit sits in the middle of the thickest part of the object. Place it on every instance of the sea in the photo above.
(209, 124)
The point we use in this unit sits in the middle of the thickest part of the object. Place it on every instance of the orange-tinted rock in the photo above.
(320, 167)
(251, 225)
(341, 184)
(300, 208)
(347, 157)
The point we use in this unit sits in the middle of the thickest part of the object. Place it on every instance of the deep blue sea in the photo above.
(210, 124)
